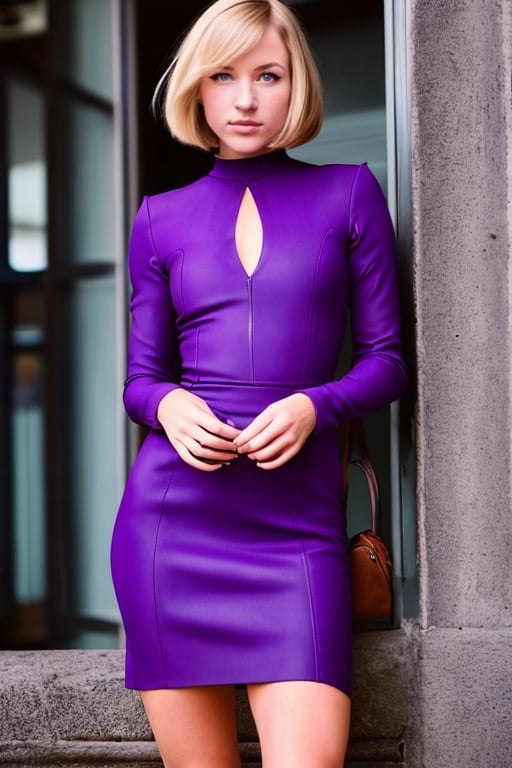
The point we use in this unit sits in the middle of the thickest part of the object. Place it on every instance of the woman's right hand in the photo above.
(199, 437)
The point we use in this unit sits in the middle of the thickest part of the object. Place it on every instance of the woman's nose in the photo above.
(245, 98)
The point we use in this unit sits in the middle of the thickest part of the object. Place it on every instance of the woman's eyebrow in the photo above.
(259, 68)
(269, 65)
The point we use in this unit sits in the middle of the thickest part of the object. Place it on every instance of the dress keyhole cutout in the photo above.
(248, 233)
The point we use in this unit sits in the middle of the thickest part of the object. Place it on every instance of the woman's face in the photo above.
(246, 100)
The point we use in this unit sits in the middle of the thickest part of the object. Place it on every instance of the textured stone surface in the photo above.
(461, 120)
(70, 708)
(67, 707)
(461, 56)
(465, 709)
(67, 695)
(383, 676)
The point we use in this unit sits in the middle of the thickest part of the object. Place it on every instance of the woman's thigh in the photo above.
(301, 724)
(194, 727)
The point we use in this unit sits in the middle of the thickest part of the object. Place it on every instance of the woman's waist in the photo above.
(238, 402)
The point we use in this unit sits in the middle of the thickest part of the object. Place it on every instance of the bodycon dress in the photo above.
(241, 575)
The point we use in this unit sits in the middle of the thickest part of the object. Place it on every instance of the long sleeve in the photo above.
(153, 356)
(378, 375)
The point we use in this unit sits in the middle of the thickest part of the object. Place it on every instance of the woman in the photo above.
(229, 552)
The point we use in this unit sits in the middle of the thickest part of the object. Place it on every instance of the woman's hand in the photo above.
(199, 437)
(278, 432)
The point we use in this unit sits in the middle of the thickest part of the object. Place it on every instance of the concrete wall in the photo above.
(461, 123)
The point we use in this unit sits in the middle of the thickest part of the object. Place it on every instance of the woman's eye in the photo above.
(221, 77)
(269, 77)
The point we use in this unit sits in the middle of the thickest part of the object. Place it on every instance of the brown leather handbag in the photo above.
(370, 563)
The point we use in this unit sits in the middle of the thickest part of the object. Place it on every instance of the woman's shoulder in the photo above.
(175, 205)
(175, 196)
(346, 172)
(338, 182)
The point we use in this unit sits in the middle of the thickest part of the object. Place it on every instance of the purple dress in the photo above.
(241, 575)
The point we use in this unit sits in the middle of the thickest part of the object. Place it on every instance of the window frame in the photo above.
(61, 275)
(403, 473)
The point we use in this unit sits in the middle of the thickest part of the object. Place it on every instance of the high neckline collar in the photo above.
(250, 167)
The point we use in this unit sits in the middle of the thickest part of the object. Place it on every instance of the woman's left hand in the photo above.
(279, 432)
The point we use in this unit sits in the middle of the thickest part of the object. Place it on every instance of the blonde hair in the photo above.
(224, 31)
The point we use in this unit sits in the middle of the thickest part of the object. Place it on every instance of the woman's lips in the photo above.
(245, 126)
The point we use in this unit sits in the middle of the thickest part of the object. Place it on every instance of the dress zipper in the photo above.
(250, 327)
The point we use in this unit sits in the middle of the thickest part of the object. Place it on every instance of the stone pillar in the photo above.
(461, 135)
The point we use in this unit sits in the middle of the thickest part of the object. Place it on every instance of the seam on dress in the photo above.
(313, 305)
(163, 270)
(197, 377)
(182, 267)
(150, 231)
(157, 615)
(311, 610)
(351, 200)
(183, 309)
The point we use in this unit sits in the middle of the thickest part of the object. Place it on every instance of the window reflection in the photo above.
(349, 47)
(83, 30)
(89, 393)
(85, 191)
(27, 209)
(21, 20)
(27, 625)
(27, 432)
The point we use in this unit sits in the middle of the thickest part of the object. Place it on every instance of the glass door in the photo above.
(84, 290)
(23, 261)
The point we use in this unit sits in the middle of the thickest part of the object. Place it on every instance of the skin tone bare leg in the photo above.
(301, 724)
(194, 727)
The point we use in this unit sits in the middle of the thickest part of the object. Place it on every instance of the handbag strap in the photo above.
(355, 452)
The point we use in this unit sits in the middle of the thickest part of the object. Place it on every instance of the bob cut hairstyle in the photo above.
(224, 31)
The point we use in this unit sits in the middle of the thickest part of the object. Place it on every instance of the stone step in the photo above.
(69, 709)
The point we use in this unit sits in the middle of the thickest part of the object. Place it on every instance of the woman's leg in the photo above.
(194, 727)
(301, 724)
